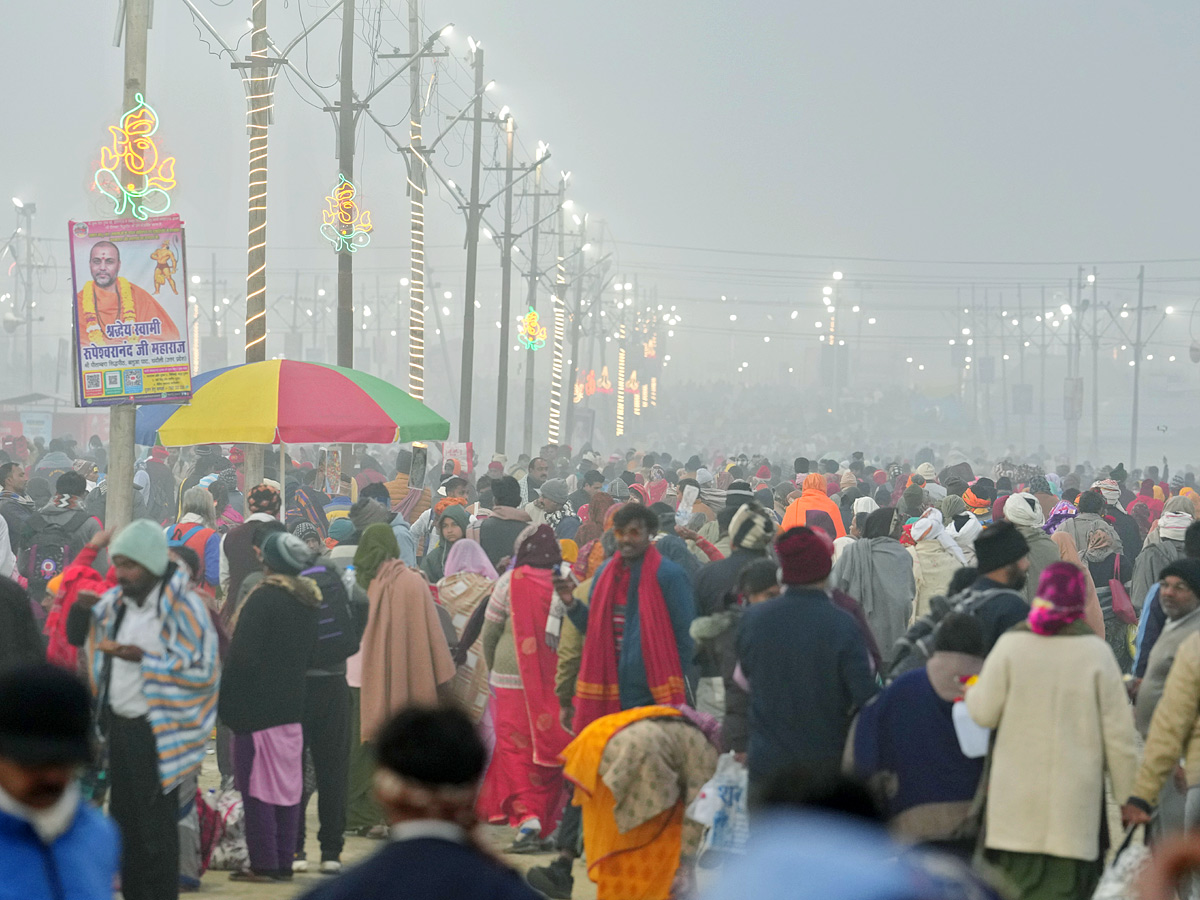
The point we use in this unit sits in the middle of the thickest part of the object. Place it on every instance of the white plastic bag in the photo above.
(722, 808)
(972, 739)
(230, 854)
(1119, 881)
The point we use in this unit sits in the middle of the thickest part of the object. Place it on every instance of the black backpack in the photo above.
(916, 646)
(338, 632)
(49, 549)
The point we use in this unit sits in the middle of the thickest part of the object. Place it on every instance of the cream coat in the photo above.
(1175, 728)
(933, 567)
(1062, 720)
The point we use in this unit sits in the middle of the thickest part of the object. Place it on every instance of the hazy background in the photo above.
(736, 150)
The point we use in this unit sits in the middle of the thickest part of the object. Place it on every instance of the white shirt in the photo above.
(141, 627)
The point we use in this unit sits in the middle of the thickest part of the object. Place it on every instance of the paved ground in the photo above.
(217, 884)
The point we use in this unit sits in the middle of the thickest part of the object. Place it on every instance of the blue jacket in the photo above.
(80, 865)
(426, 869)
(809, 671)
(681, 607)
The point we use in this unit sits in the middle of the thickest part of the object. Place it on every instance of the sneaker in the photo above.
(300, 864)
(330, 867)
(529, 842)
(554, 880)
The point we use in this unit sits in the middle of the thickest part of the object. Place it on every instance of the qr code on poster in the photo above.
(91, 381)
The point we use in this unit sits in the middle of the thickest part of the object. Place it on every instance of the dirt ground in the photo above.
(217, 884)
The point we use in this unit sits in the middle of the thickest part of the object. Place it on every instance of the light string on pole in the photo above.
(621, 381)
(416, 275)
(259, 101)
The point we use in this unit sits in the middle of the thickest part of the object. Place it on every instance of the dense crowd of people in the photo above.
(928, 669)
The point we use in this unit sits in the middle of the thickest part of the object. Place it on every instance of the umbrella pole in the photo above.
(282, 479)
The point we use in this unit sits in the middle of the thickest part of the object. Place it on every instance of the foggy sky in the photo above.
(923, 134)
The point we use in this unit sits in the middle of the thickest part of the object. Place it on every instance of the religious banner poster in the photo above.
(130, 312)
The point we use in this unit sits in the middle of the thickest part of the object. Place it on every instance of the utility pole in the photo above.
(560, 288)
(1137, 369)
(1095, 372)
(259, 99)
(345, 292)
(213, 283)
(534, 274)
(506, 245)
(122, 417)
(990, 375)
(27, 211)
(416, 204)
(1004, 398)
(1021, 365)
(1042, 379)
(473, 215)
(576, 324)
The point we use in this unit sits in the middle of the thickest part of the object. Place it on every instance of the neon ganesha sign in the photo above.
(133, 174)
(344, 224)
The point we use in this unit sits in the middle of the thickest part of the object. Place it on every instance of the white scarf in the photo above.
(929, 528)
(48, 824)
(1024, 509)
(1172, 525)
(864, 505)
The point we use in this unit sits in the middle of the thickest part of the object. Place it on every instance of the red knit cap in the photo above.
(805, 555)
(159, 454)
(764, 471)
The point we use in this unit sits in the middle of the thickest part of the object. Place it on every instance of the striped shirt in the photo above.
(180, 683)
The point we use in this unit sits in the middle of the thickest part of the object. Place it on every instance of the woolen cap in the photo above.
(342, 529)
(1188, 570)
(751, 527)
(144, 542)
(554, 490)
(805, 555)
(286, 554)
(998, 546)
(45, 716)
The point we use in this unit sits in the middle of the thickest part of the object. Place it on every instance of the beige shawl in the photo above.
(405, 657)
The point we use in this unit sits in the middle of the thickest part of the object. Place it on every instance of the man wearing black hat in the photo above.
(52, 844)
(995, 599)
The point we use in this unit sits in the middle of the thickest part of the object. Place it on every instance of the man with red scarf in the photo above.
(636, 648)
(636, 652)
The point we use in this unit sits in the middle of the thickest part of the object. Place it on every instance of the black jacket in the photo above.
(273, 646)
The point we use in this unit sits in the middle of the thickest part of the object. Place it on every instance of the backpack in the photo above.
(49, 549)
(916, 646)
(338, 632)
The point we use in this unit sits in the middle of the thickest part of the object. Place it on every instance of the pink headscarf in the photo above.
(468, 556)
(1061, 593)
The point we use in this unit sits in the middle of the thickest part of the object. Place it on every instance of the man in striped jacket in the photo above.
(151, 650)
